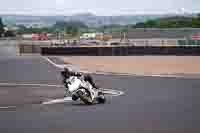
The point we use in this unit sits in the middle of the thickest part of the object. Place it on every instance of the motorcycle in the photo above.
(78, 88)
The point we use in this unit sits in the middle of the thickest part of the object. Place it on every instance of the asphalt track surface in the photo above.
(149, 105)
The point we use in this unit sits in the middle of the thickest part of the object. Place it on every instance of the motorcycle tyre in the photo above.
(101, 99)
(83, 98)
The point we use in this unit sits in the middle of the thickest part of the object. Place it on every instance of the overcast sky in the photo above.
(98, 7)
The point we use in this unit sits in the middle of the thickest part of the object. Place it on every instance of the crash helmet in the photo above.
(67, 70)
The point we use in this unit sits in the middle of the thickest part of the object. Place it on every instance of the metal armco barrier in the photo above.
(120, 51)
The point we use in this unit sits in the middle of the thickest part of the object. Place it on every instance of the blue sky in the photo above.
(98, 7)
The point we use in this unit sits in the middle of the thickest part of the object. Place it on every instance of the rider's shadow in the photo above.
(79, 103)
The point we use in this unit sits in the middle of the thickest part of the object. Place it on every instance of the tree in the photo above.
(21, 29)
(71, 29)
(151, 23)
(1, 28)
(170, 22)
(74, 31)
(62, 25)
(196, 22)
(59, 26)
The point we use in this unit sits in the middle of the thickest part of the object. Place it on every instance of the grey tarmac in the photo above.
(149, 104)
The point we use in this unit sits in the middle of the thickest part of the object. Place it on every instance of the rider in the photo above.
(67, 73)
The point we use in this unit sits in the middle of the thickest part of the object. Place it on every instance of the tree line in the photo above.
(165, 22)
(71, 27)
(75, 27)
(171, 22)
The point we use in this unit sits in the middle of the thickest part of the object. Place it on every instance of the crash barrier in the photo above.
(120, 51)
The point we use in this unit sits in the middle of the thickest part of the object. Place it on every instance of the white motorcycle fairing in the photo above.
(74, 84)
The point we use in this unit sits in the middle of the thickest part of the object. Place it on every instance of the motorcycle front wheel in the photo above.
(75, 97)
(101, 99)
(87, 100)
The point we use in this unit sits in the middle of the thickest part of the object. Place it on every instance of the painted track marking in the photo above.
(22, 84)
(108, 92)
(7, 107)
(68, 99)
(61, 100)
(54, 64)
(113, 92)
(62, 66)
(54, 101)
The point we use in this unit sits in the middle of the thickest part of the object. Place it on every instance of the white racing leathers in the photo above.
(74, 83)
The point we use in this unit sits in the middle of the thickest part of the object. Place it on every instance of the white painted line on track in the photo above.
(21, 84)
(68, 99)
(62, 66)
(161, 75)
(113, 92)
(144, 75)
(54, 101)
(107, 91)
(54, 64)
(7, 107)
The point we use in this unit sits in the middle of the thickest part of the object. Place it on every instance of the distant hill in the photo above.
(88, 18)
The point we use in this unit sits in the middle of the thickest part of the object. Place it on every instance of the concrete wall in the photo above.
(120, 51)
